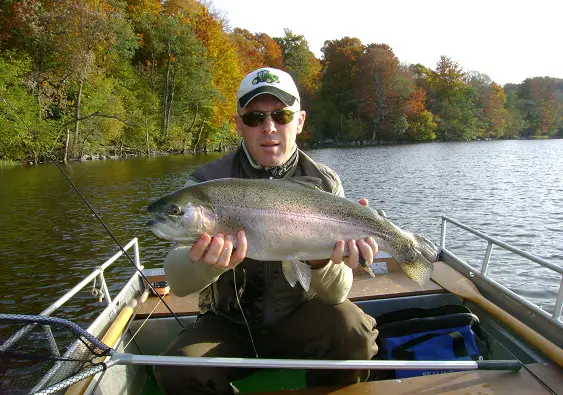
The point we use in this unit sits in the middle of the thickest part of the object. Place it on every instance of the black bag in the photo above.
(446, 333)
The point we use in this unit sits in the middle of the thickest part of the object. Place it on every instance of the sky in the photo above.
(507, 40)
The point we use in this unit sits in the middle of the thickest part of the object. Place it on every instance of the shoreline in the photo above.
(4, 164)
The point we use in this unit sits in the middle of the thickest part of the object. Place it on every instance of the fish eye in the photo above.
(175, 210)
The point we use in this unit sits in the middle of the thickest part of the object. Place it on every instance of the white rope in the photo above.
(243, 316)
(141, 327)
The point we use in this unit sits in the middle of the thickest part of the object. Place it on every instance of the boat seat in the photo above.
(483, 382)
(390, 283)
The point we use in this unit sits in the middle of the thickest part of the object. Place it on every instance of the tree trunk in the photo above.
(66, 144)
(187, 131)
(164, 126)
(169, 107)
(77, 117)
(198, 137)
(147, 134)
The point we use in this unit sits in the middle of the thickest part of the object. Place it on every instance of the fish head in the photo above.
(181, 217)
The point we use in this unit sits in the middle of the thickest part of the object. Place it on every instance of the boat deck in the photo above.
(480, 382)
(392, 283)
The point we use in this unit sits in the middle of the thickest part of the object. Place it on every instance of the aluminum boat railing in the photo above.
(482, 273)
(98, 273)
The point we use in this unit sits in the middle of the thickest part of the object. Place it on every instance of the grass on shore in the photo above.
(8, 163)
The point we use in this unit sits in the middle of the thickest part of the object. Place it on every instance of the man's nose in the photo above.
(268, 126)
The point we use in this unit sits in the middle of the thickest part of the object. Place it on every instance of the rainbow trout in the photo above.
(286, 220)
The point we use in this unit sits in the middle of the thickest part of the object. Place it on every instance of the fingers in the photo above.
(211, 257)
(374, 247)
(364, 248)
(225, 255)
(338, 253)
(367, 250)
(219, 251)
(353, 259)
(199, 248)
(240, 252)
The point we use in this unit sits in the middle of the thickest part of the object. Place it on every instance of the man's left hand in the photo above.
(366, 247)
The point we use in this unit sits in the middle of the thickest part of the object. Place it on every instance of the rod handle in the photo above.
(499, 365)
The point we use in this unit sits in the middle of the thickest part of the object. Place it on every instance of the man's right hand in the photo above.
(218, 251)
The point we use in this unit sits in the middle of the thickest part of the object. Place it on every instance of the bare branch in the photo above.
(101, 115)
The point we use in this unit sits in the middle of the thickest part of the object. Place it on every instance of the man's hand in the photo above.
(218, 251)
(366, 247)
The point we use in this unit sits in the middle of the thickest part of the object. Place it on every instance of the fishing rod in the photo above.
(119, 244)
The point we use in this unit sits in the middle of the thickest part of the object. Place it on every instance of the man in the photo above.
(247, 307)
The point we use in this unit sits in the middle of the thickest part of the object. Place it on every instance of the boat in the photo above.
(136, 327)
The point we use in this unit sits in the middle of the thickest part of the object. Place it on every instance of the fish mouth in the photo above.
(164, 227)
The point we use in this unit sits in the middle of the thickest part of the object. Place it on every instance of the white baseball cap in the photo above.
(270, 81)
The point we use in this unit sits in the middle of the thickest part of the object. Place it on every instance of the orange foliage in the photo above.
(247, 47)
(183, 10)
(270, 50)
(226, 73)
(493, 109)
(415, 103)
(140, 7)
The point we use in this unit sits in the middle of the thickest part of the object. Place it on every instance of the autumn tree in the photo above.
(22, 132)
(336, 97)
(421, 124)
(375, 84)
(454, 103)
(271, 51)
(299, 61)
(225, 74)
(248, 49)
(540, 101)
(256, 50)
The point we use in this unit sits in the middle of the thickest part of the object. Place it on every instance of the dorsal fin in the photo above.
(379, 211)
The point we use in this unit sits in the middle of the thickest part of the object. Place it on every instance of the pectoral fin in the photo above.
(297, 271)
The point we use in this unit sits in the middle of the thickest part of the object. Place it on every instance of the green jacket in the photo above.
(263, 292)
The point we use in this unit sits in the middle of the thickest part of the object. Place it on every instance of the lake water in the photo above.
(512, 190)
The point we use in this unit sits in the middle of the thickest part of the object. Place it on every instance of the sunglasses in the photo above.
(255, 118)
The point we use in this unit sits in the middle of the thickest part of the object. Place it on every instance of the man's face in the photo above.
(270, 143)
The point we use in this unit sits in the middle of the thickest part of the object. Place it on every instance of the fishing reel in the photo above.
(161, 288)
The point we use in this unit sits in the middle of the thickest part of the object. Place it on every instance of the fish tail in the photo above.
(427, 248)
(418, 271)
(419, 267)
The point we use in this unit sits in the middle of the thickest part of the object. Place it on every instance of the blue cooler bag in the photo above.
(446, 333)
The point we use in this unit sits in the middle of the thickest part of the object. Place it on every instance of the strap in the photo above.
(458, 344)
(403, 352)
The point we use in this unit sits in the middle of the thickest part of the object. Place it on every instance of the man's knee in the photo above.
(356, 332)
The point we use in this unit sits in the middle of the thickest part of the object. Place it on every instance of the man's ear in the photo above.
(238, 123)
(301, 121)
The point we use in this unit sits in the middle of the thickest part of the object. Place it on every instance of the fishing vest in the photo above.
(263, 292)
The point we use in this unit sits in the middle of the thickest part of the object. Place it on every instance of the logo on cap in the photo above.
(265, 76)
